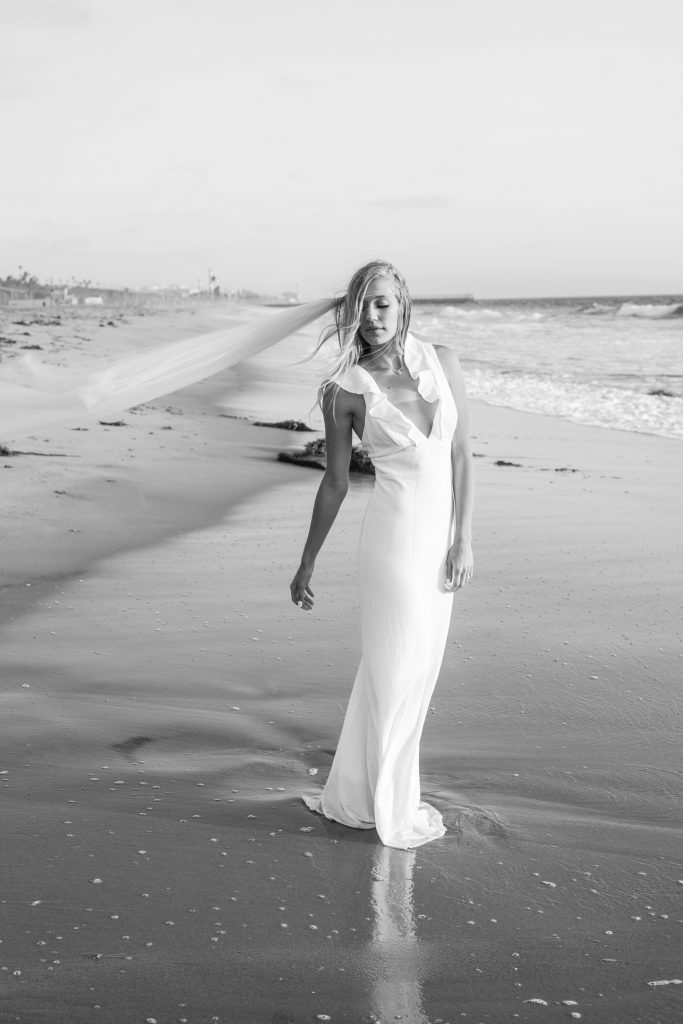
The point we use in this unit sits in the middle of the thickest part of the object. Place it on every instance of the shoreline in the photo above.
(166, 707)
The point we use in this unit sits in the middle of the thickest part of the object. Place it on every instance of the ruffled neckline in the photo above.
(360, 381)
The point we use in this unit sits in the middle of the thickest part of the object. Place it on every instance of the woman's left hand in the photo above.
(459, 565)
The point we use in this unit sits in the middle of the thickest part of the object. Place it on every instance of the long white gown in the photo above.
(405, 611)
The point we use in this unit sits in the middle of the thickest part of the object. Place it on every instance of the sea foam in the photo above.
(605, 362)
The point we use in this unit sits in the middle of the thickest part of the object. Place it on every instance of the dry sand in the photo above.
(165, 706)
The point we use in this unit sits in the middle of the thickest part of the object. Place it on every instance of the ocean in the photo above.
(610, 362)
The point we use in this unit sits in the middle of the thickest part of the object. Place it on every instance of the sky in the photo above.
(501, 148)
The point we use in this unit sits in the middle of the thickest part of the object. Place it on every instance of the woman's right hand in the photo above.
(302, 595)
(339, 422)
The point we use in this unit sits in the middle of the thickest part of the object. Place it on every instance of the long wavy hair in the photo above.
(347, 319)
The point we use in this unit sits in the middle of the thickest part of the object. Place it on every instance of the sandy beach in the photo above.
(165, 706)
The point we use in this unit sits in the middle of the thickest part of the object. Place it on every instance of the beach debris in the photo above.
(314, 454)
(127, 747)
(112, 423)
(287, 425)
(504, 462)
(536, 1001)
(312, 771)
(361, 461)
(553, 885)
(665, 981)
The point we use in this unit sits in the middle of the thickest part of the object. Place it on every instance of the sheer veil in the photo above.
(34, 395)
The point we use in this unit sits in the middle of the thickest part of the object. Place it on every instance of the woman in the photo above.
(407, 405)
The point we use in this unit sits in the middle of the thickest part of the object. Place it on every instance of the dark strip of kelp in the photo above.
(314, 454)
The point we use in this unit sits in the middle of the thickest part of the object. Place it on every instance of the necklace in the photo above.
(390, 368)
(397, 370)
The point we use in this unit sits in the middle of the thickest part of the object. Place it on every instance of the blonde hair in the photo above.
(347, 317)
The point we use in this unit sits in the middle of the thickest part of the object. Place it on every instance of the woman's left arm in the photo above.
(460, 562)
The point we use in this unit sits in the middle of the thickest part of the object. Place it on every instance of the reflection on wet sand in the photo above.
(395, 961)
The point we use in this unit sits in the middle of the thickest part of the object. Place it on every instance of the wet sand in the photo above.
(165, 707)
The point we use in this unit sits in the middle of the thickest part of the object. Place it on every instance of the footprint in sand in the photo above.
(128, 747)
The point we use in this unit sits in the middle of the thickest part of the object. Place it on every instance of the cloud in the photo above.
(293, 83)
(411, 203)
(50, 14)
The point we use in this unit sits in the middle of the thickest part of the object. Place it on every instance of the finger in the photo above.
(464, 577)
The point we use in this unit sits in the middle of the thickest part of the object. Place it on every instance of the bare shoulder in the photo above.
(456, 380)
(449, 361)
(446, 356)
(339, 405)
(335, 395)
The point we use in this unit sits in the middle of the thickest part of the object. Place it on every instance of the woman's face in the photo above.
(379, 315)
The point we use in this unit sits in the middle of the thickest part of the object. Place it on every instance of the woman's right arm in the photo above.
(338, 414)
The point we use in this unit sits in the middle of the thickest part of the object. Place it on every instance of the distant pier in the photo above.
(443, 300)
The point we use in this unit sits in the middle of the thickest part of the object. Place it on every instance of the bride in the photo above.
(406, 402)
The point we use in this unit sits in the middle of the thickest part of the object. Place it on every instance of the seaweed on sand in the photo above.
(314, 454)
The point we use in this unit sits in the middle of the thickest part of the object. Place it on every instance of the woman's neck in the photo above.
(384, 357)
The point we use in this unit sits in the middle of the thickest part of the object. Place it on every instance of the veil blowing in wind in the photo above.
(35, 395)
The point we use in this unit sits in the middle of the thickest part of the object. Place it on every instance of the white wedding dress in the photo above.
(407, 530)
